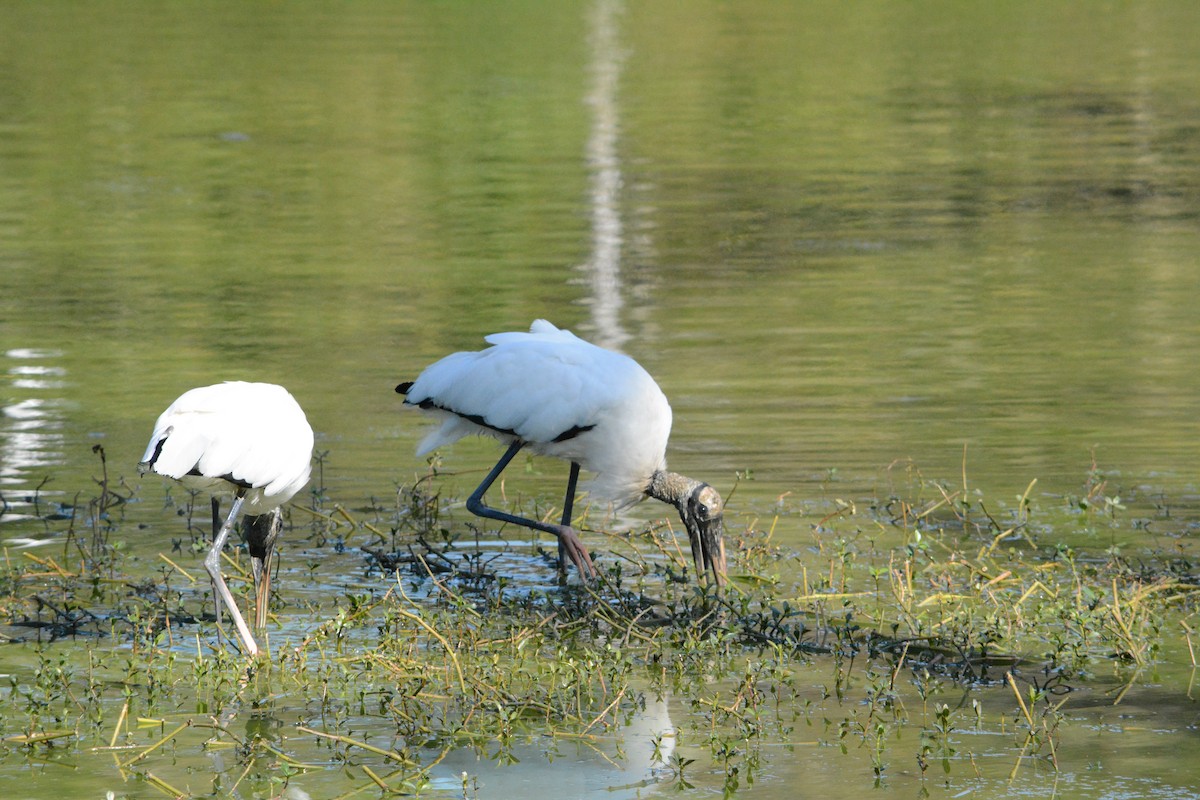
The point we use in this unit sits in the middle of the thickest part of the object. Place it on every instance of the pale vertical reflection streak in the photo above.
(604, 267)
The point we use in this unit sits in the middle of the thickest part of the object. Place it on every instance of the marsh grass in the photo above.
(857, 641)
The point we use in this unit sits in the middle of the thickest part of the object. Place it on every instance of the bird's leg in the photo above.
(568, 507)
(216, 530)
(568, 539)
(212, 563)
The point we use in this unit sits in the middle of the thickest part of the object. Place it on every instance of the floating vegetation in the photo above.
(404, 638)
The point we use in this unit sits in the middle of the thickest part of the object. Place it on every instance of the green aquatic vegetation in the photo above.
(904, 622)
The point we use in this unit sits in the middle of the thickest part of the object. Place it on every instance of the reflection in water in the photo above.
(31, 438)
(583, 770)
(970, 253)
(604, 267)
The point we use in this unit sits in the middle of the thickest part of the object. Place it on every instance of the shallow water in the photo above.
(848, 246)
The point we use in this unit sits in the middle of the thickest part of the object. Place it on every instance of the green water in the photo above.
(847, 241)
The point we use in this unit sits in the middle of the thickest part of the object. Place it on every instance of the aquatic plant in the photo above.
(415, 642)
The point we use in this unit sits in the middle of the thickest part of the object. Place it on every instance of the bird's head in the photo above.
(703, 514)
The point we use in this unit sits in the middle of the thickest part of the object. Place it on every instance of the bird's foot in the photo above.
(575, 550)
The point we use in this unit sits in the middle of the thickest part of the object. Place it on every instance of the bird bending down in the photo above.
(253, 439)
(560, 396)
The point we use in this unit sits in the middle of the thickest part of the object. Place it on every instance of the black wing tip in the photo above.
(571, 433)
(404, 388)
(148, 464)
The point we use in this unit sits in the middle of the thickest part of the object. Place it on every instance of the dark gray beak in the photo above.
(704, 518)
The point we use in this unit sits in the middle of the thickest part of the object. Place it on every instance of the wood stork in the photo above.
(560, 396)
(253, 439)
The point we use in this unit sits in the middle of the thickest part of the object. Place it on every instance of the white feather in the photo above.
(252, 433)
(541, 385)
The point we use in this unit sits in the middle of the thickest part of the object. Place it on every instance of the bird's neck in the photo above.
(261, 531)
(671, 487)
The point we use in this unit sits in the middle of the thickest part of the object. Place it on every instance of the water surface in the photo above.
(848, 244)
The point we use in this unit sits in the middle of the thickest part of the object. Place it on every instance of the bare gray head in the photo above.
(703, 514)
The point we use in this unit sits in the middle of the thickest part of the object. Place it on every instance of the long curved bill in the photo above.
(708, 549)
(262, 593)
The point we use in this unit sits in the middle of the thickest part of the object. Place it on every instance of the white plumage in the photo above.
(561, 396)
(249, 438)
(235, 434)
(540, 385)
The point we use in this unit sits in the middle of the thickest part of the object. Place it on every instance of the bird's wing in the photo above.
(250, 434)
(184, 433)
(171, 455)
(536, 386)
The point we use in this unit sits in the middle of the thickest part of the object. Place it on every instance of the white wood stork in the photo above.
(252, 439)
(560, 396)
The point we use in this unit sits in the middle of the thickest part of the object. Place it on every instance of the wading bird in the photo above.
(252, 439)
(560, 396)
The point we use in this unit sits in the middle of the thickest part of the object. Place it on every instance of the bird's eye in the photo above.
(706, 503)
